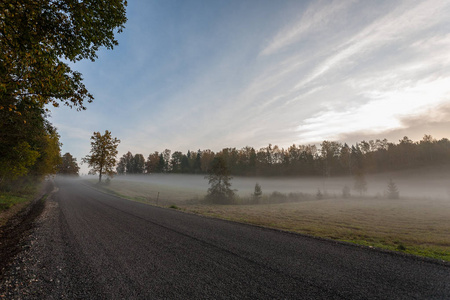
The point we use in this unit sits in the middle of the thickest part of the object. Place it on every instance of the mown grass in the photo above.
(408, 225)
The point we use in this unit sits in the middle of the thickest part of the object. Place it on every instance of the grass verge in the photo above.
(13, 201)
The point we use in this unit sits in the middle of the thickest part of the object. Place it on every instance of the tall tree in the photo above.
(103, 154)
(177, 156)
(152, 163)
(128, 159)
(330, 153)
(138, 164)
(219, 180)
(121, 167)
(39, 37)
(68, 165)
(29, 144)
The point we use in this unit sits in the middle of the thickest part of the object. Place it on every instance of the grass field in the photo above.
(412, 225)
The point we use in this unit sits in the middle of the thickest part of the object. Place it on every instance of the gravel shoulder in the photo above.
(45, 261)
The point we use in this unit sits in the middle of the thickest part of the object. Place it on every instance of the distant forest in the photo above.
(331, 159)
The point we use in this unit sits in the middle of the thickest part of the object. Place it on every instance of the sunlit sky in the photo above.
(191, 75)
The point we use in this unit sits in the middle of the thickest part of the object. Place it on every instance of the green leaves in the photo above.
(36, 34)
(103, 154)
(18, 161)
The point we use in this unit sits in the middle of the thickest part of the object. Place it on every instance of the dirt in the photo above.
(19, 226)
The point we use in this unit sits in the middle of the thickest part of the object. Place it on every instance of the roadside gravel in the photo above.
(44, 268)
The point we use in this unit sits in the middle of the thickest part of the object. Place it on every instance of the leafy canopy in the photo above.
(38, 37)
(68, 165)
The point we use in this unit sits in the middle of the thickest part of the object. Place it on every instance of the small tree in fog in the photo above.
(219, 180)
(360, 183)
(346, 192)
(392, 191)
(103, 154)
(319, 195)
(257, 194)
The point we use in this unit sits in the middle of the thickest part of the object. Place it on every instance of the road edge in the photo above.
(18, 227)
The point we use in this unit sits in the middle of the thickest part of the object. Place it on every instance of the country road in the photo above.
(89, 245)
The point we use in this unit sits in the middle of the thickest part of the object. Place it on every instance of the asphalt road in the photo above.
(95, 246)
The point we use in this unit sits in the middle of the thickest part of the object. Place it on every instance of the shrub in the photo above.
(319, 194)
(277, 197)
(346, 192)
(392, 192)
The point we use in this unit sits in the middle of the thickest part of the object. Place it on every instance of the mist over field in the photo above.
(425, 183)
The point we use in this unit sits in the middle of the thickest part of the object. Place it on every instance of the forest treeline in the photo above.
(330, 159)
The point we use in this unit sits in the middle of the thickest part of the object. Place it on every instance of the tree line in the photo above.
(330, 159)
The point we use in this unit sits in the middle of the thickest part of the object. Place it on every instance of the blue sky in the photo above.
(214, 74)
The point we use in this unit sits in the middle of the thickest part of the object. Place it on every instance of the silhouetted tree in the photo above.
(219, 180)
(68, 165)
(177, 157)
(121, 167)
(152, 163)
(138, 164)
(360, 183)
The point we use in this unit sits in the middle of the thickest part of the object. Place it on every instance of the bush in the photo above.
(297, 197)
(346, 192)
(319, 195)
(277, 197)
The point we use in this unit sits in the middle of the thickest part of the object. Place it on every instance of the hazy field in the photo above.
(418, 222)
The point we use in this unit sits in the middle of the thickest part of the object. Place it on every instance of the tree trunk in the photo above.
(100, 176)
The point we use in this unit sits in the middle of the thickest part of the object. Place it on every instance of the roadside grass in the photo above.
(16, 198)
(8, 200)
(409, 225)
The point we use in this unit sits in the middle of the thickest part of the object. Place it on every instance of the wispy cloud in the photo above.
(316, 17)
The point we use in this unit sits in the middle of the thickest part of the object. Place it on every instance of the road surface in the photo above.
(91, 245)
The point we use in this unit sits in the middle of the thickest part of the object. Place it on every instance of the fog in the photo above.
(426, 183)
